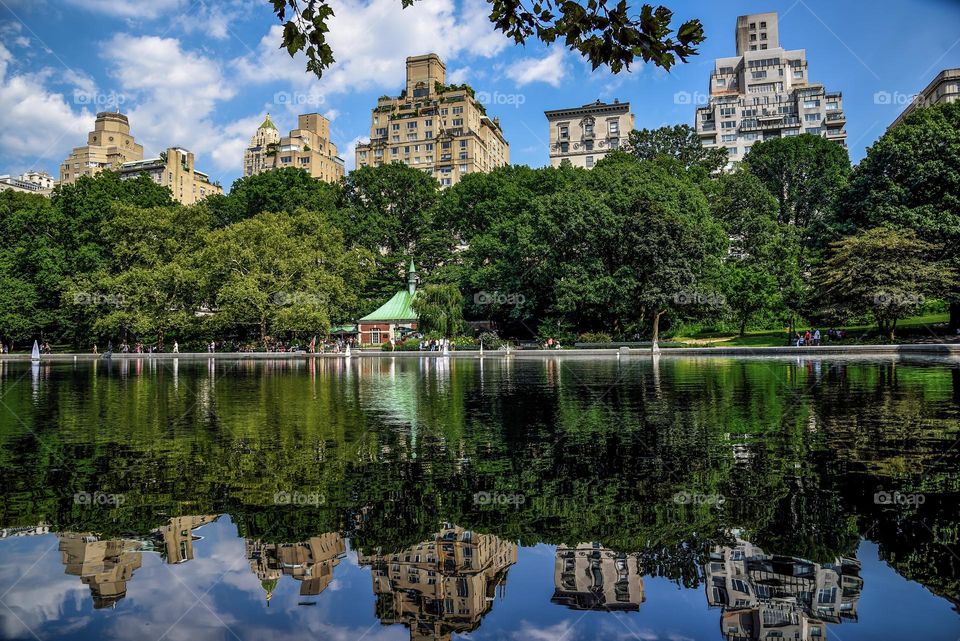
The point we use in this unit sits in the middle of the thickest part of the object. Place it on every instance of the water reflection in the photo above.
(767, 596)
(592, 456)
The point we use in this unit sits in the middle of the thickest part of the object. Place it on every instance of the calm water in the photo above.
(430, 499)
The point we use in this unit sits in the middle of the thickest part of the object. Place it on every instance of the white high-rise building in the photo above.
(765, 92)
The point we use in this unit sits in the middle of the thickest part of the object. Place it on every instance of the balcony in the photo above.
(836, 117)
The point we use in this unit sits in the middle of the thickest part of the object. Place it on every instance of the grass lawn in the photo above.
(907, 329)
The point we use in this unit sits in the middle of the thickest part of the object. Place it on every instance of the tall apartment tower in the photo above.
(307, 147)
(441, 130)
(584, 135)
(765, 92)
(942, 89)
(174, 169)
(108, 145)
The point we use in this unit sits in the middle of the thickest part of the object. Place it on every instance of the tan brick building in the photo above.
(108, 145)
(584, 135)
(174, 169)
(307, 147)
(944, 88)
(440, 130)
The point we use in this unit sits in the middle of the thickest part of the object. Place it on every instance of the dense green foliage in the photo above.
(651, 237)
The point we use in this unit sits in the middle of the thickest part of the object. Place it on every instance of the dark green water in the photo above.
(435, 499)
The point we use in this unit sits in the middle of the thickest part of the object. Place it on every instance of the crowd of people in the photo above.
(812, 337)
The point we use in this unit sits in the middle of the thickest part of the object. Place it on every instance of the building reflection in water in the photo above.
(311, 562)
(589, 576)
(107, 564)
(766, 596)
(441, 586)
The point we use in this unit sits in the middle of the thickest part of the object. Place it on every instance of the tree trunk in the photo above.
(656, 329)
(743, 327)
(263, 331)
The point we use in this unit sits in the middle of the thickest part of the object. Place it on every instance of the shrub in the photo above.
(387, 347)
(594, 337)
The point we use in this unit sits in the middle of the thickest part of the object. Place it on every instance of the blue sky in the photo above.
(201, 74)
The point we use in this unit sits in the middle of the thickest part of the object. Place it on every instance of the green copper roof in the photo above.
(397, 308)
(268, 124)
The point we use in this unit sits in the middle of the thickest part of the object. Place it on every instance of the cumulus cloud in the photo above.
(41, 125)
(175, 93)
(551, 69)
(372, 38)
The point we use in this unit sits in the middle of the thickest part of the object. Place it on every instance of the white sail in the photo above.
(35, 354)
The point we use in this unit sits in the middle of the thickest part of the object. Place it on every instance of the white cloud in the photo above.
(146, 9)
(41, 127)
(175, 93)
(551, 69)
(371, 39)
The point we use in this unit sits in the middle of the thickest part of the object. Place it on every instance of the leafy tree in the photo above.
(390, 210)
(763, 272)
(910, 179)
(280, 273)
(440, 308)
(605, 34)
(286, 189)
(805, 174)
(884, 272)
(680, 142)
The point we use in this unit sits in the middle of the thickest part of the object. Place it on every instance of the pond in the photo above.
(559, 498)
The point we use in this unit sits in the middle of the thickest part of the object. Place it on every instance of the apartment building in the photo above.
(108, 146)
(584, 135)
(588, 576)
(439, 129)
(766, 596)
(307, 147)
(175, 169)
(441, 586)
(944, 88)
(765, 92)
(29, 182)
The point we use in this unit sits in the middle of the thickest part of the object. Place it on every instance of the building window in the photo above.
(375, 336)
(563, 132)
(728, 124)
(589, 161)
(613, 127)
(396, 127)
